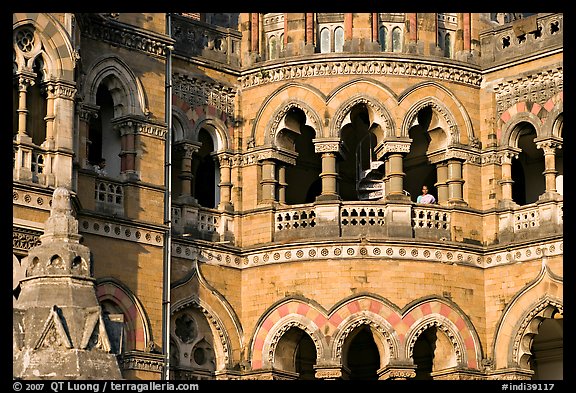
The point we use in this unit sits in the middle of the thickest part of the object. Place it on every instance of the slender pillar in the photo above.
(282, 184)
(506, 181)
(396, 176)
(329, 150)
(347, 26)
(309, 28)
(467, 34)
(128, 149)
(550, 172)
(413, 36)
(455, 182)
(285, 29)
(225, 182)
(374, 27)
(268, 181)
(86, 113)
(254, 41)
(49, 118)
(24, 82)
(442, 185)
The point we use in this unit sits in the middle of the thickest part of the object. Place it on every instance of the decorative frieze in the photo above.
(536, 88)
(362, 66)
(197, 92)
(121, 231)
(24, 239)
(381, 252)
(119, 34)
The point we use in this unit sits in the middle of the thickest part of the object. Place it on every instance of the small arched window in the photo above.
(338, 39)
(447, 45)
(273, 47)
(396, 40)
(382, 35)
(325, 40)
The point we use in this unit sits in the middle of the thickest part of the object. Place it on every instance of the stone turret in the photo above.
(58, 325)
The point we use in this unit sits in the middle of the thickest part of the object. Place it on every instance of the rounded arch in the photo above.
(442, 119)
(216, 129)
(126, 89)
(446, 315)
(290, 94)
(138, 331)
(380, 120)
(450, 332)
(281, 121)
(554, 121)
(55, 43)
(386, 338)
(181, 127)
(513, 128)
(451, 109)
(278, 330)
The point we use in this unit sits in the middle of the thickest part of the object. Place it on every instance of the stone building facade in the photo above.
(257, 215)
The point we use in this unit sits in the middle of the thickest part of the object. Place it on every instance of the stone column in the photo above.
(394, 151)
(254, 36)
(309, 28)
(442, 185)
(225, 181)
(506, 181)
(329, 148)
(467, 39)
(347, 26)
(374, 27)
(186, 175)
(455, 182)
(49, 143)
(86, 113)
(127, 131)
(549, 147)
(268, 182)
(24, 81)
(282, 184)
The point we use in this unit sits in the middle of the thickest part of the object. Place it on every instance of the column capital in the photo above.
(549, 145)
(328, 145)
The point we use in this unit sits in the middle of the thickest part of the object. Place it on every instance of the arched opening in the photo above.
(358, 147)
(548, 349)
(103, 140)
(296, 352)
(417, 167)
(37, 104)
(338, 39)
(360, 354)
(206, 174)
(324, 40)
(382, 37)
(396, 40)
(528, 168)
(423, 353)
(302, 178)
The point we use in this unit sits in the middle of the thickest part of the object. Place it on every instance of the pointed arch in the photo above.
(124, 86)
(195, 291)
(56, 44)
(137, 325)
(512, 129)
